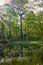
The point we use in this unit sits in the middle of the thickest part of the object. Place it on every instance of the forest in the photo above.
(20, 25)
(21, 34)
(32, 26)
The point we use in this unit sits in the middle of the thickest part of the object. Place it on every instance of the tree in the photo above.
(40, 23)
(28, 24)
(10, 13)
(15, 8)
(2, 26)
(14, 27)
(21, 7)
(9, 18)
(33, 26)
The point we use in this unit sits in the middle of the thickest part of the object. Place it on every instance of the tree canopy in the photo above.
(14, 26)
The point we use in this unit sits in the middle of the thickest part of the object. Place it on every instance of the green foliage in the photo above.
(33, 26)
(21, 1)
(10, 10)
(32, 54)
(5, 52)
(23, 61)
(10, 28)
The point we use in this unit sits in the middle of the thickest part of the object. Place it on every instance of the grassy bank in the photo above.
(34, 60)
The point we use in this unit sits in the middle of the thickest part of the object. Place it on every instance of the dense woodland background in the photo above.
(20, 24)
(32, 26)
(21, 34)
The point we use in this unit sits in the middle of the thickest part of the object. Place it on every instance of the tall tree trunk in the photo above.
(2, 30)
(9, 36)
(21, 25)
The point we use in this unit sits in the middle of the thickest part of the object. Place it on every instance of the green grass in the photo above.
(27, 42)
(30, 60)
(23, 61)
